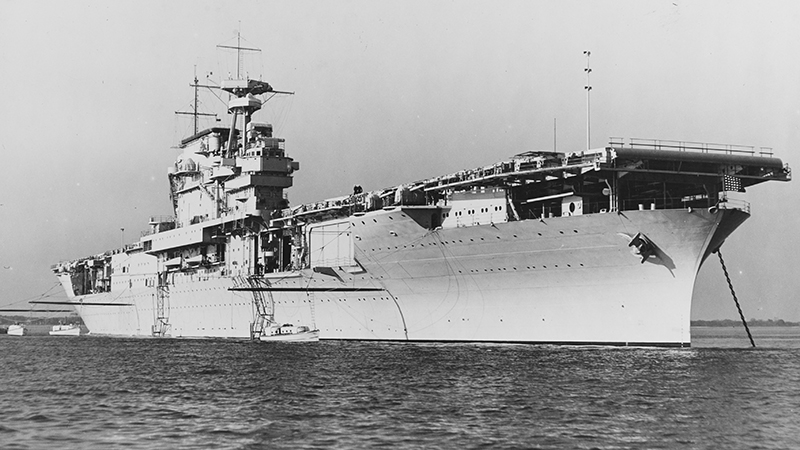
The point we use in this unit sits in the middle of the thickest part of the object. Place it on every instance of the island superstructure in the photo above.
(598, 246)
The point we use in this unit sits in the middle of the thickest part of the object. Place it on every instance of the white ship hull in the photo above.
(565, 280)
(65, 330)
(588, 246)
(305, 336)
(17, 330)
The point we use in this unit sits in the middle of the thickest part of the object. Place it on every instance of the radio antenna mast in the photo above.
(195, 113)
(588, 88)
(239, 50)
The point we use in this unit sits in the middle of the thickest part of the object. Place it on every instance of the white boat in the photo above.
(17, 329)
(289, 333)
(65, 330)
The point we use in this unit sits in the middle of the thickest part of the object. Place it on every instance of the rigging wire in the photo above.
(46, 294)
(30, 300)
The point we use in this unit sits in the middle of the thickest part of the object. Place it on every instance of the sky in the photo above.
(386, 92)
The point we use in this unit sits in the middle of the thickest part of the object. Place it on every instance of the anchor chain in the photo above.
(736, 300)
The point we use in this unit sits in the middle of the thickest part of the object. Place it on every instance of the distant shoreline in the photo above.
(42, 325)
(738, 323)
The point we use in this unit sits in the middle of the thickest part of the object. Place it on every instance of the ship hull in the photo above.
(306, 336)
(17, 330)
(65, 331)
(565, 280)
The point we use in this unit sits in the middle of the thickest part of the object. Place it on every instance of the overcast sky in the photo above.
(386, 92)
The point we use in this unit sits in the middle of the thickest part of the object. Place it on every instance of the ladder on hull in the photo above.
(264, 304)
(313, 305)
(161, 327)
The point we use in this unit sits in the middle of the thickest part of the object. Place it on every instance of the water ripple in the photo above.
(99, 393)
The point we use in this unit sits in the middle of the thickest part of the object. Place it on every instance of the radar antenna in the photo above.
(194, 113)
(588, 88)
(239, 49)
(244, 89)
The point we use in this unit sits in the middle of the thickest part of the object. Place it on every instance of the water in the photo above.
(99, 393)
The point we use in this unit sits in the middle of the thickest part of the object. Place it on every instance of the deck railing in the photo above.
(641, 204)
(660, 203)
(685, 146)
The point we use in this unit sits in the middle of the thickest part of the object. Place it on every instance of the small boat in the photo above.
(289, 333)
(65, 330)
(17, 329)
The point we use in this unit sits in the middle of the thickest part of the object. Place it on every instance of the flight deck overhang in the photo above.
(750, 168)
(699, 157)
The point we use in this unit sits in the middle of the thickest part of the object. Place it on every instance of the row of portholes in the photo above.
(501, 269)
(396, 247)
(371, 330)
(463, 319)
(358, 299)
(350, 278)
(209, 306)
(375, 220)
(283, 302)
(199, 290)
(460, 241)
(471, 211)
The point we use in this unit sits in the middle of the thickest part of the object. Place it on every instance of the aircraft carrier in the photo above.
(598, 246)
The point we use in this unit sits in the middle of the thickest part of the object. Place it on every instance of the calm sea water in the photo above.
(99, 393)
